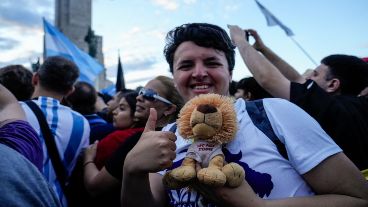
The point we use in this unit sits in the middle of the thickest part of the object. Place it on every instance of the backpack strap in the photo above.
(259, 118)
(60, 169)
(173, 128)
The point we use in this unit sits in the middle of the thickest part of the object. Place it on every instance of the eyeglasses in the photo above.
(152, 95)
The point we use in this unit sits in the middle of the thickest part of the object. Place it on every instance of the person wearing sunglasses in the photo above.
(152, 95)
(160, 94)
(104, 185)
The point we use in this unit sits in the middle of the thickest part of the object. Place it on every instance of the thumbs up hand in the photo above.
(154, 151)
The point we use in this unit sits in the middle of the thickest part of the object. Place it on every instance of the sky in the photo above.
(136, 29)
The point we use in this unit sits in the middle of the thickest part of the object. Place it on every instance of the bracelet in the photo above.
(86, 163)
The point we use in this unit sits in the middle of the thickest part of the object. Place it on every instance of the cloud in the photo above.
(189, 1)
(231, 8)
(140, 64)
(135, 44)
(137, 64)
(25, 60)
(8, 44)
(24, 13)
(171, 5)
(138, 72)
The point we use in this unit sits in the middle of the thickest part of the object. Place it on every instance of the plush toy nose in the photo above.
(206, 109)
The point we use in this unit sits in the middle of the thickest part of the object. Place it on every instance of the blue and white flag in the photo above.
(57, 44)
(110, 90)
(272, 20)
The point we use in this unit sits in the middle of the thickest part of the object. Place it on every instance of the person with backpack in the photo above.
(64, 133)
(201, 57)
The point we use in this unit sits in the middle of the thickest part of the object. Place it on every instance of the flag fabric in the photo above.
(57, 44)
(120, 82)
(110, 90)
(272, 20)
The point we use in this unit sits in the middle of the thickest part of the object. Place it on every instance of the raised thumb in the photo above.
(151, 122)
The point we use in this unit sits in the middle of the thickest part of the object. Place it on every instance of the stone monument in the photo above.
(74, 19)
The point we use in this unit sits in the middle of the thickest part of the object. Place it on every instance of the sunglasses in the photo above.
(152, 95)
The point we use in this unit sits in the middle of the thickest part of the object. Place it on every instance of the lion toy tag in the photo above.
(210, 121)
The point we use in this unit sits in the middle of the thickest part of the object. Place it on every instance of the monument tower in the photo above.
(74, 19)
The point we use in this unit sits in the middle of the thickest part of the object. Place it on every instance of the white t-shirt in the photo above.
(270, 175)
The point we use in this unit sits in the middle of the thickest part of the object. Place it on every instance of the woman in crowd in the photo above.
(160, 94)
(123, 120)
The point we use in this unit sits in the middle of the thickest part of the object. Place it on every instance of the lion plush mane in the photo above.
(225, 106)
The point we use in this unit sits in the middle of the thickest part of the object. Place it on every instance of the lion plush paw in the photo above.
(183, 173)
(234, 174)
(173, 183)
(211, 176)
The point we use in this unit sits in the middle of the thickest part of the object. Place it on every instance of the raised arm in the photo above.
(285, 68)
(265, 73)
(9, 106)
(16, 132)
(154, 151)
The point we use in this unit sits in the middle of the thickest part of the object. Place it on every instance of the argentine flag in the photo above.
(272, 20)
(57, 44)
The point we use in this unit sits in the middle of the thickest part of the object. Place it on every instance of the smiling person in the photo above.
(103, 173)
(317, 173)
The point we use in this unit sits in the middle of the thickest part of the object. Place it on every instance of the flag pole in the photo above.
(302, 49)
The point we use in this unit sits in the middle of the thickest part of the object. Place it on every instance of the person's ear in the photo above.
(248, 96)
(170, 110)
(333, 85)
(35, 79)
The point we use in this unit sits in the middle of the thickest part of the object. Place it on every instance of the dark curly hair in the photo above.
(202, 34)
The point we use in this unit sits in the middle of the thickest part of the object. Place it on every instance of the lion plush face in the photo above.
(209, 117)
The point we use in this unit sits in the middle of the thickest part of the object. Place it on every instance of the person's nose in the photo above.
(115, 112)
(139, 98)
(199, 71)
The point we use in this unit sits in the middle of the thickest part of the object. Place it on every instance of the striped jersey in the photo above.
(71, 132)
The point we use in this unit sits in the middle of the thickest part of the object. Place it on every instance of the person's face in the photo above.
(122, 117)
(143, 105)
(200, 70)
(320, 76)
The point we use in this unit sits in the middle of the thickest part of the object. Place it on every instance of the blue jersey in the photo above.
(71, 132)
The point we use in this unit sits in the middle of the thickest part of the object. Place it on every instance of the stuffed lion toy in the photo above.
(209, 120)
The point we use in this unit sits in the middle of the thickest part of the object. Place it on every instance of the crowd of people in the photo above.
(66, 144)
